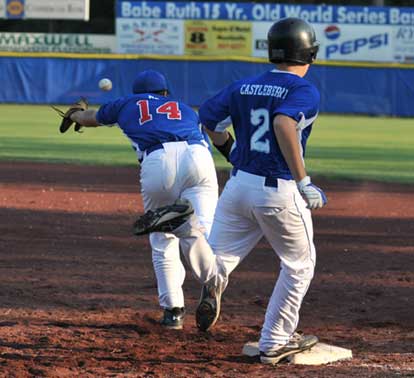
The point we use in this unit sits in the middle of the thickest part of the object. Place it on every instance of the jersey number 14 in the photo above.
(170, 109)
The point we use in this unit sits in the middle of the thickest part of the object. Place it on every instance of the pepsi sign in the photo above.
(353, 45)
(347, 42)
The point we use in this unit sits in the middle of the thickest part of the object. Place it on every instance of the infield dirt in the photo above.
(78, 294)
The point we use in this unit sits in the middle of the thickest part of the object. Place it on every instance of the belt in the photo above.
(268, 181)
(159, 146)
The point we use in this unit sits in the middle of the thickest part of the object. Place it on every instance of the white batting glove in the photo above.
(314, 196)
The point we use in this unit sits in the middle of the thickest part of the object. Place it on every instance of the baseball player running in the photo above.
(269, 193)
(175, 164)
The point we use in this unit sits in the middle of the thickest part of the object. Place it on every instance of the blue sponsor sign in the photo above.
(328, 14)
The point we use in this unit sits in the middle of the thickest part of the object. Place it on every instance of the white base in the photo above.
(318, 355)
(251, 349)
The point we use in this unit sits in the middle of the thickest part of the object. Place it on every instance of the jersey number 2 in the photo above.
(260, 119)
(170, 109)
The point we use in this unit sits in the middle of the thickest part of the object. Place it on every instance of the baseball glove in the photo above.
(81, 105)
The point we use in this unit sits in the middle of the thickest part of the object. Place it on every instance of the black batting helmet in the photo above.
(292, 40)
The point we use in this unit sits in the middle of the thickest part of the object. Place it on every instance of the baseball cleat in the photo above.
(208, 309)
(164, 219)
(173, 318)
(298, 343)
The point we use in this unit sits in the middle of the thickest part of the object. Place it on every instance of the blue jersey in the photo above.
(150, 119)
(250, 105)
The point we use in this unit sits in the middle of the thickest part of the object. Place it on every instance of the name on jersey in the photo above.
(264, 90)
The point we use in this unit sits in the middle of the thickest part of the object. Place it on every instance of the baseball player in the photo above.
(175, 163)
(269, 193)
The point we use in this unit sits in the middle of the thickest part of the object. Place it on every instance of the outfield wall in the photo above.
(356, 88)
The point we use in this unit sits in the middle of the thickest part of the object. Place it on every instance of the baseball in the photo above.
(105, 84)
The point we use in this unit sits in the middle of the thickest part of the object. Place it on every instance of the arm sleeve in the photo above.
(108, 113)
(301, 102)
(215, 112)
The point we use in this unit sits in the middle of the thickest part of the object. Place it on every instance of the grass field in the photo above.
(347, 147)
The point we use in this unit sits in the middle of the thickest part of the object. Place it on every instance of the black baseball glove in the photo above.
(81, 105)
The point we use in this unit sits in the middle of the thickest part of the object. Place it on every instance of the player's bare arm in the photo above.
(85, 118)
(223, 141)
(285, 131)
(218, 138)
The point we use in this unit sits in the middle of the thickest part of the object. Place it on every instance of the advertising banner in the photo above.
(53, 42)
(403, 43)
(356, 42)
(259, 38)
(354, 33)
(45, 9)
(217, 38)
(150, 36)
(185, 10)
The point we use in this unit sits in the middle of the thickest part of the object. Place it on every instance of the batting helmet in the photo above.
(292, 40)
(149, 81)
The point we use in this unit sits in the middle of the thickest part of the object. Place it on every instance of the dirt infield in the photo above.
(78, 294)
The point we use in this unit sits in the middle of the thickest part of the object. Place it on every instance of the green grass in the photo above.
(372, 148)
(31, 133)
(349, 147)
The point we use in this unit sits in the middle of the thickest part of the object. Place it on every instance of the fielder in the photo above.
(269, 193)
(175, 163)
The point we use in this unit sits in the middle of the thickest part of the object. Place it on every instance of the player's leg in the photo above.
(289, 231)
(199, 184)
(234, 234)
(198, 180)
(170, 274)
(158, 190)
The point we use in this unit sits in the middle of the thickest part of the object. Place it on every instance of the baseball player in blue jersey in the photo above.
(269, 193)
(175, 164)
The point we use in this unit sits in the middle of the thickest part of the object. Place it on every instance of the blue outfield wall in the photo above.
(351, 88)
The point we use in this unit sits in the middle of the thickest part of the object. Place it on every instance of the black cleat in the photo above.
(173, 318)
(298, 343)
(208, 309)
(164, 219)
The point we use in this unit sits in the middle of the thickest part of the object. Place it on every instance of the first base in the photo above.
(251, 349)
(318, 355)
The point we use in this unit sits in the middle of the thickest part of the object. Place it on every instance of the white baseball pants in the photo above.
(179, 170)
(246, 211)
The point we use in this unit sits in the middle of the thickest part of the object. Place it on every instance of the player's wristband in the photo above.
(226, 147)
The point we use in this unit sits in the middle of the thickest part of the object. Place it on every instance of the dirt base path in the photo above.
(78, 295)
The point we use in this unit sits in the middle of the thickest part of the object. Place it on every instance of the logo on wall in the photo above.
(149, 35)
(260, 44)
(15, 8)
(332, 32)
(197, 37)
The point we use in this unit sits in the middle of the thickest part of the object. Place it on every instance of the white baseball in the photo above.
(105, 84)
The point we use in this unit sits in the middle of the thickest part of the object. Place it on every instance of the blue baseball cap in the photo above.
(149, 81)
